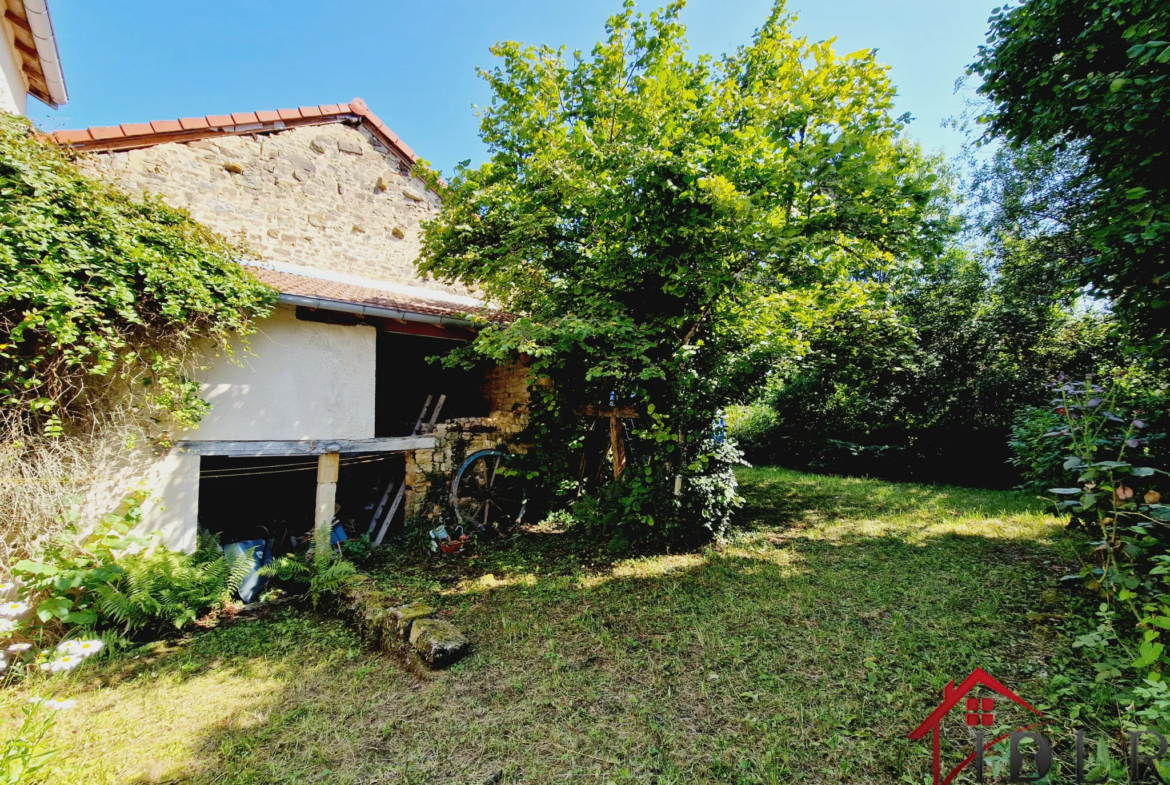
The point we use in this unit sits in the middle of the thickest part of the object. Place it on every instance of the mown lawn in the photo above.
(805, 649)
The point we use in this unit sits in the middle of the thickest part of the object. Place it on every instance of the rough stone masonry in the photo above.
(330, 196)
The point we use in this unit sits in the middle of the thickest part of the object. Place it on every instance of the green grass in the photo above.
(804, 649)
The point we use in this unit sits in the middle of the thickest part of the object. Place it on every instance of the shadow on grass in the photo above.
(786, 653)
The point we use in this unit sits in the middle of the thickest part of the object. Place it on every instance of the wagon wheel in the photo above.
(486, 496)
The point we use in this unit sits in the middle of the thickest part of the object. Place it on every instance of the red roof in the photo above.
(184, 129)
(323, 289)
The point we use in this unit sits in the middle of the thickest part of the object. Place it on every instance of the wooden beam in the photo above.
(277, 449)
(617, 446)
(25, 49)
(18, 22)
(623, 412)
(403, 327)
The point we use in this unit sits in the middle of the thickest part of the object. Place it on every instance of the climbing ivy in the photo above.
(101, 293)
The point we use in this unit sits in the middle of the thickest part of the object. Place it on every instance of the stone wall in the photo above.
(506, 390)
(329, 196)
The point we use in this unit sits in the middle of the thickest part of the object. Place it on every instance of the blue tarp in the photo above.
(261, 555)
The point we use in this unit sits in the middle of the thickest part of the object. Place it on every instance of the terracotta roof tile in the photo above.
(106, 132)
(304, 286)
(186, 129)
(70, 137)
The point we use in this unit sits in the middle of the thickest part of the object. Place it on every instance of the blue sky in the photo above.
(414, 62)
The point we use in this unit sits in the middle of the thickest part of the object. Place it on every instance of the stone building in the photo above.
(328, 397)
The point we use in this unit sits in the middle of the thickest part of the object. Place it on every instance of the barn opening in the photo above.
(405, 377)
(273, 499)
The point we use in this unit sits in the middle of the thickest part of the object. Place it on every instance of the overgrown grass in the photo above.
(804, 649)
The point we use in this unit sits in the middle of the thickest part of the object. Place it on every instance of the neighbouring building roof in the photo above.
(130, 136)
(36, 45)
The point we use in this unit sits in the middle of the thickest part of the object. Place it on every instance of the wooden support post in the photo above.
(617, 444)
(326, 498)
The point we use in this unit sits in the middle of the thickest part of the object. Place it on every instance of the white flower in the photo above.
(7, 625)
(56, 704)
(7, 588)
(87, 648)
(19, 647)
(13, 609)
(66, 662)
(3, 665)
(46, 666)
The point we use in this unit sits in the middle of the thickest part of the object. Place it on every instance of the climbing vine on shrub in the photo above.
(100, 292)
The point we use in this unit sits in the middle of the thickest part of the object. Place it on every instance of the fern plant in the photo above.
(324, 576)
(168, 589)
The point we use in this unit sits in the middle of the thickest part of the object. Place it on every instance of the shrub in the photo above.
(113, 579)
(1038, 457)
(1098, 438)
(755, 430)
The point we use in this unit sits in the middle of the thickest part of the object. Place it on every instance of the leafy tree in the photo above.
(1091, 78)
(656, 221)
(101, 294)
(924, 381)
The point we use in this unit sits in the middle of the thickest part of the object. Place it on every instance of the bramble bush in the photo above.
(1101, 447)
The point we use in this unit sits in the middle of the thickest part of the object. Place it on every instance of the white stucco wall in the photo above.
(302, 380)
(13, 92)
(173, 505)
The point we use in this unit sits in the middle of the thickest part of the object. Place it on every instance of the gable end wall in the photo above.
(329, 196)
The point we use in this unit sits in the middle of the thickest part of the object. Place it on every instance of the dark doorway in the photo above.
(273, 499)
(405, 378)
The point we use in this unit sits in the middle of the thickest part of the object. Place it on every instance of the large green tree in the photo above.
(1093, 76)
(655, 221)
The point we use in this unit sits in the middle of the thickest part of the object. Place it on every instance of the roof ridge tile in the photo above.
(155, 132)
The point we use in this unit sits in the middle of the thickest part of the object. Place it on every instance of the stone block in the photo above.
(405, 616)
(439, 643)
(322, 144)
(349, 146)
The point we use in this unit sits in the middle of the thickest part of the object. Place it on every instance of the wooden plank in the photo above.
(390, 515)
(624, 412)
(390, 485)
(276, 449)
(25, 49)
